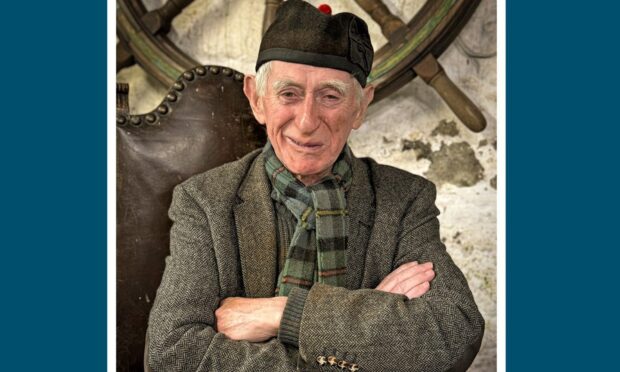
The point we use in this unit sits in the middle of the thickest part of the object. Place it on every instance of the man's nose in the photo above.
(308, 116)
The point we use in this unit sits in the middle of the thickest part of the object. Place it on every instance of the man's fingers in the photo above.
(418, 290)
(400, 282)
(404, 267)
(390, 280)
(411, 282)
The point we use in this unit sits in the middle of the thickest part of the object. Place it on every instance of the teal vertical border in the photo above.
(53, 188)
(562, 188)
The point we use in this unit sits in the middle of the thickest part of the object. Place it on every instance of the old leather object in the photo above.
(207, 122)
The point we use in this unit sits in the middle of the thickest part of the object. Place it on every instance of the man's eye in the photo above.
(287, 94)
(331, 99)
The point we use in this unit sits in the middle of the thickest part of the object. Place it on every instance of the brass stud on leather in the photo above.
(150, 118)
(343, 364)
(239, 76)
(120, 120)
(332, 360)
(171, 97)
(178, 86)
(321, 360)
(163, 109)
(188, 75)
(136, 120)
(201, 70)
(226, 71)
(354, 367)
(214, 70)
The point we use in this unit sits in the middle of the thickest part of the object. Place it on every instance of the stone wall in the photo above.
(412, 129)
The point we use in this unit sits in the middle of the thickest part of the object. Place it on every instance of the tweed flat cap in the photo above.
(302, 34)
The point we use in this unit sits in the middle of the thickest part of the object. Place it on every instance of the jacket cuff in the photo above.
(291, 318)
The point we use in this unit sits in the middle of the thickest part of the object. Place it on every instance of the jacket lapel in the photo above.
(256, 232)
(361, 217)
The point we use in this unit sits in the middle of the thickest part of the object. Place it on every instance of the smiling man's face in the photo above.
(309, 113)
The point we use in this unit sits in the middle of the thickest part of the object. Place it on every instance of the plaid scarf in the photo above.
(317, 250)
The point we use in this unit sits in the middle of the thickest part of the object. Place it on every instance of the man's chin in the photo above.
(305, 170)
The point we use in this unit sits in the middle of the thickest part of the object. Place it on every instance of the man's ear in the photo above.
(367, 95)
(249, 88)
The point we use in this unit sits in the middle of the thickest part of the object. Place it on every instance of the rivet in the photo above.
(239, 76)
(178, 86)
(163, 109)
(150, 118)
(171, 97)
(188, 75)
(136, 120)
(201, 70)
(214, 70)
(226, 71)
(121, 120)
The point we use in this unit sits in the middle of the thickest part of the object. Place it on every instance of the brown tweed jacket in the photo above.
(223, 243)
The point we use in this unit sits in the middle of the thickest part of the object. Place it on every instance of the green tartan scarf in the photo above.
(317, 249)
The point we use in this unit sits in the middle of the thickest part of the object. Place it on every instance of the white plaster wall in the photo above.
(228, 33)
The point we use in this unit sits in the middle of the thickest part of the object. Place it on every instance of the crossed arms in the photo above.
(258, 319)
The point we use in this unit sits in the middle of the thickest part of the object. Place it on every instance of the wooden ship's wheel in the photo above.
(412, 48)
(205, 120)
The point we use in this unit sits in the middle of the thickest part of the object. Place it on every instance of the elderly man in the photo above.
(301, 256)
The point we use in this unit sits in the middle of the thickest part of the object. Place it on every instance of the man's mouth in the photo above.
(305, 145)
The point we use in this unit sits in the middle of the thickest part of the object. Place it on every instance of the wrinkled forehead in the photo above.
(287, 73)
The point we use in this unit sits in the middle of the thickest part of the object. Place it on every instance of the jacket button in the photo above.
(353, 367)
(343, 364)
(321, 360)
(332, 360)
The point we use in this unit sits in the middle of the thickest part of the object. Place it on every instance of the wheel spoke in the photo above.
(270, 13)
(392, 27)
(124, 57)
(159, 20)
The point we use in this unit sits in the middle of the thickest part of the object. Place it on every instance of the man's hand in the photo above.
(410, 279)
(251, 319)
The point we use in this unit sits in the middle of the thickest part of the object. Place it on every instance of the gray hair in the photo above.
(262, 75)
(261, 78)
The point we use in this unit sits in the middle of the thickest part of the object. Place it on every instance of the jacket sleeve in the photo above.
(378, 331)
(181, 330)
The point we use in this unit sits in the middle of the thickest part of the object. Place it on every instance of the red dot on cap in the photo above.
(324, 8)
